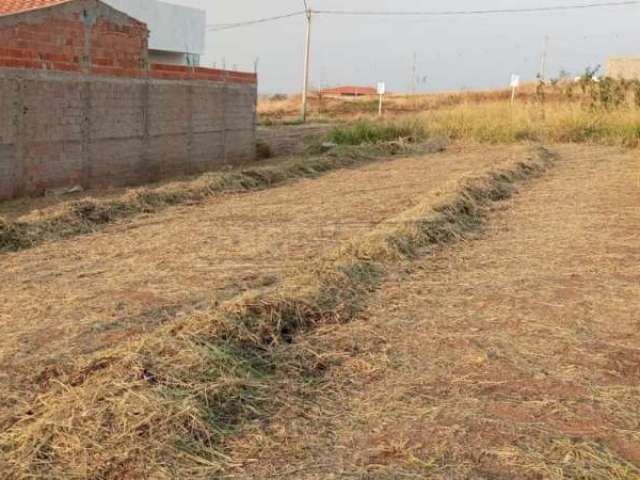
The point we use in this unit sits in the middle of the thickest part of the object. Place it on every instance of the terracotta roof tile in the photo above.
(350, 90)
(9, 7)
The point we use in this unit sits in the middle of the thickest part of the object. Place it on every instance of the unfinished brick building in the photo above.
(81, 105)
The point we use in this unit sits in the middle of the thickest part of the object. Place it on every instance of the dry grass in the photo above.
(511, 356)
(330, 109)
(551, 123)
(60, 220)
(474, 117)
(162, 348)
(126, 400)
(501, 123)
(488, 117)
(333, 289)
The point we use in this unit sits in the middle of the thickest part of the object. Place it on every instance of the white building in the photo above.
(627, 68)
(177, 33)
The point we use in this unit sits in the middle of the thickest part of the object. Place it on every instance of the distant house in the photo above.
(349, 91)
(627, 68)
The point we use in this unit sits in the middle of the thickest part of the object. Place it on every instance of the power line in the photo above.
(229, 26)
(435, 13)
(432, 13)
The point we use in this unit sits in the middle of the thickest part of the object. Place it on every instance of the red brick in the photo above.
(66, 67)
(117, 50)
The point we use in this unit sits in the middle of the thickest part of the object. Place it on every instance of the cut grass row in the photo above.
(86, 216)
(159, 407)
(358, 142)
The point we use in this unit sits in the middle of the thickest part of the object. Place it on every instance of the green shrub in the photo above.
(263, 150)
(369, 132)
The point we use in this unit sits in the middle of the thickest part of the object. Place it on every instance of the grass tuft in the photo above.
(263, 150)
(363, 132)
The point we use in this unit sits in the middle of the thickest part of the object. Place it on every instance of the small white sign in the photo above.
(381, 88)
(515, 81)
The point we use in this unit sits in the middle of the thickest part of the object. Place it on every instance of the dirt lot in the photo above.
(514, 355)
(68, 299)
(511, 354)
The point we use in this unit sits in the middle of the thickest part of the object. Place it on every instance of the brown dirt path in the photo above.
(512, 356)
(68, 299)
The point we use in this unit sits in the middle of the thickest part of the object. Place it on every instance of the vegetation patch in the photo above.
(500, 123)
(364, 132)
(159, 407)
(263, 150)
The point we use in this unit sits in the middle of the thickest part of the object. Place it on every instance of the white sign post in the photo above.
(515, 83)
(381, 91)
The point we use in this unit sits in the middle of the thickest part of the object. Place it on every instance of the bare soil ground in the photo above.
(63, 301)
(513, 355)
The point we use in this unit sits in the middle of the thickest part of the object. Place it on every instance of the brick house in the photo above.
(81, 35)
(80, 103)
(349, 91)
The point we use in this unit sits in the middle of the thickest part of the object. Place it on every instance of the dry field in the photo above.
(468, 314)
(515, 355)
(63, 302)
(330, 109)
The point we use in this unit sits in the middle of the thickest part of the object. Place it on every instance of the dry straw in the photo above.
(86, 216)
(159, 407)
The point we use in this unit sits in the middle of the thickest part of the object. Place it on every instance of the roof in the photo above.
(350, 90)
(9, 7)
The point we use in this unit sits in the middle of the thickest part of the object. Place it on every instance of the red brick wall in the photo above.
(179, 72)
(74, 37)
(56, 44)
(119, 49)
(88, 36)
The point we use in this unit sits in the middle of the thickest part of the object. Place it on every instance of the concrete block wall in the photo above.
(627, 68)
(64, 129)
(81, 105)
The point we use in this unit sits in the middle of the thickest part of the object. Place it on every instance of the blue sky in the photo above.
(451, 52)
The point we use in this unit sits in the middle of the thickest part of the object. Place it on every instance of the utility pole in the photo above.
(414, 73)
(414, 80)
(543, 60)
(307, 51)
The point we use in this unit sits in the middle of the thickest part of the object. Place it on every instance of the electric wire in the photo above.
(229, 26)
(435, 13)
(430, 13)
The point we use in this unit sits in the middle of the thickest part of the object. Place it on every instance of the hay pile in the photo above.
(82, 217)
(159, 407)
